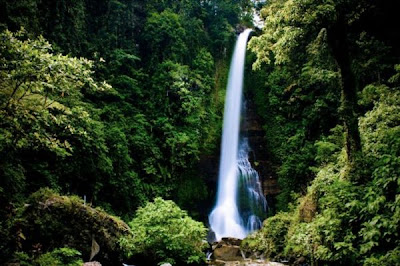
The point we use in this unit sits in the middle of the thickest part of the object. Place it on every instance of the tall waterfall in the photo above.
(226, 219)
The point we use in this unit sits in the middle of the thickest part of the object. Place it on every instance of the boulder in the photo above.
(231, 241)
(92, 263)
(211, 238)
(59, 221)
(228, 249)
(245, 263)
(227, 253)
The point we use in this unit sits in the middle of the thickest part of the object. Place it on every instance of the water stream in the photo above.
(231, 218)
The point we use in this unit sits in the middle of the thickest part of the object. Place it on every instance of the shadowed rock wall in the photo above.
(251, 127)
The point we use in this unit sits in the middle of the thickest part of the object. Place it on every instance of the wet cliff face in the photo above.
(259, 157)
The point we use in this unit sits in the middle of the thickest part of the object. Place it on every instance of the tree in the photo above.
(164, 36)
(290, 29)
(42, 111)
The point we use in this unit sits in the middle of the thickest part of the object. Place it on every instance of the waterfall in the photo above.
(253, 204)
(226, 219)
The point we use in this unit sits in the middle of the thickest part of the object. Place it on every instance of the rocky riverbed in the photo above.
(245, 262)
(227, 252)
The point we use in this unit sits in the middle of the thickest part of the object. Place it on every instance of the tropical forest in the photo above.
(199, 132)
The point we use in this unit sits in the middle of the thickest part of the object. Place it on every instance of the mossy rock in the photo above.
(49, 221)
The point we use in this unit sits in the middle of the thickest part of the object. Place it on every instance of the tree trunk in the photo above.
(337, 39)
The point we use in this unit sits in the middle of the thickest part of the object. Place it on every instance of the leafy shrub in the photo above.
(162, 232)
(22, 259)
(60, 256)
(328, 236)
(390, 258)
(270, 240)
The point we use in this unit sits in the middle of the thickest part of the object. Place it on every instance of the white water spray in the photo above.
(253, 201)
(225, 219)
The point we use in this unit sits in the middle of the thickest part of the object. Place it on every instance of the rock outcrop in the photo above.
(227, 252)
(50, 220)
(259, 158)
(228, 249)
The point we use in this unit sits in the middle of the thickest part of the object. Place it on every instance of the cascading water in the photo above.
(225, 219)
(253, 204)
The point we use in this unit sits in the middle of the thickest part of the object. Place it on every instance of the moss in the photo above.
(48, 221)
(307, 208)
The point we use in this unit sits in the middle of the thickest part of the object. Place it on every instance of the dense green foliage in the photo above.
(115, 101)
(165, 233)
(330, 102)
(60, 256)
(44, 120)
(117, 140)
(314, 83)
